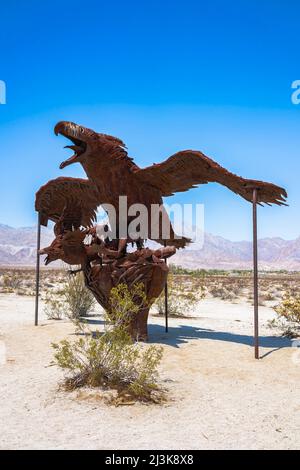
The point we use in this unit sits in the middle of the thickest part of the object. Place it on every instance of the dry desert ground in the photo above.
(219, 396)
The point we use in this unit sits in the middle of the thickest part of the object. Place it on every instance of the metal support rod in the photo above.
(166, 307)
(255, 274)
(37, 272)
(166, 302)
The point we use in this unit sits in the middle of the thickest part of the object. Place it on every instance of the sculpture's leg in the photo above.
(138, 327)
(142, 327)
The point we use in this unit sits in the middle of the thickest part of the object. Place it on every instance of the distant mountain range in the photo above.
(17, 248)
(218, 253)
(18, 245)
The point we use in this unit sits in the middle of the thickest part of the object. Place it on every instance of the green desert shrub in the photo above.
(79, 299)
(288, 315)
(181, 299)
(73, 300)
(11, 281)
(55, 306)
(112, 360)
(125, 303)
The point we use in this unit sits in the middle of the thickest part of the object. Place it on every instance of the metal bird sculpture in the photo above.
(113, 173)
(72, 203)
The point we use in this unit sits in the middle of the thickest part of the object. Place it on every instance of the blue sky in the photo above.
(163, 76)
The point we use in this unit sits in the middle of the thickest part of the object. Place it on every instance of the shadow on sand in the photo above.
(90, 321)
(183, 333)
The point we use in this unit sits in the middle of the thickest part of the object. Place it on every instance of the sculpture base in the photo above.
(145, 266)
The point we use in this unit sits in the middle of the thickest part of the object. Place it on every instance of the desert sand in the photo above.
(220, 397)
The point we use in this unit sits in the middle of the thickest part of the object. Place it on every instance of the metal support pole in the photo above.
(166, 302)
(255, 274)
(166, 306)
(37, 272)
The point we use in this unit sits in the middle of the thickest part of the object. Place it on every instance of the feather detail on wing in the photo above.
(73, 201)
(189, 168)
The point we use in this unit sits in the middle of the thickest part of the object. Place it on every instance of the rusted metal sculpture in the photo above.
(72, 204)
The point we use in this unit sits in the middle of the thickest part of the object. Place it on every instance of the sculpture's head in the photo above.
(54, 251)
(67, 247)
(86, 143)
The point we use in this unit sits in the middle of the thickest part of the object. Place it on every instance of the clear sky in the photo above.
(163, 76)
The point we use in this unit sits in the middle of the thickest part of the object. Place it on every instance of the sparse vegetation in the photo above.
(73, 300)
(124, 303)
(111, 359)
(21, 281)
(182, 296)
(11, 281)
(55, 306)
(189, 287)
(288, 312)
(79, 299)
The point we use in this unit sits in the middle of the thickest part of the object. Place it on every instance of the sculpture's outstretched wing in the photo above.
(188, 168)
(73, 200)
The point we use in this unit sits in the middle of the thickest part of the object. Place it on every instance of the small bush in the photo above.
(181, 300)
(11, 281)
(288, 312)
(55, 306)
(112, 360)
(73, 300)
(222, 292)
(267, 296)
(79, 299)
(125, 303)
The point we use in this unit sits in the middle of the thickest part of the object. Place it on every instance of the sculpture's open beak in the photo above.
(44, 251)
(76, 134)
